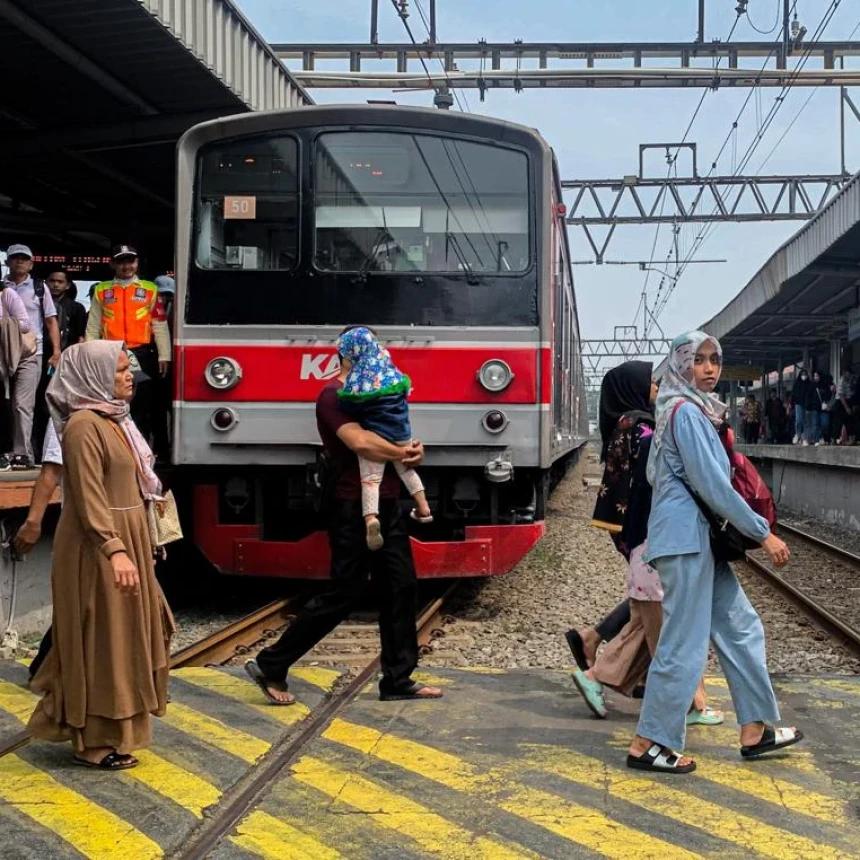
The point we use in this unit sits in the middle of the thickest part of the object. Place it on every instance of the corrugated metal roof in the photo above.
(96, 66)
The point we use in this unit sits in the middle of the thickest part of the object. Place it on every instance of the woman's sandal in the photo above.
(255, 673)
(112, 761)
(659, 758)
(708, 717)
(592, 692)
(772, 739)
(419, 519)
(577, 648)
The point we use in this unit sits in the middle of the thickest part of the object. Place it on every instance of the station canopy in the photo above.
(802, 298)
(96, 93)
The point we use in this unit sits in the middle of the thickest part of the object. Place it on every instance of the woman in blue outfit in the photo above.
(702, 598)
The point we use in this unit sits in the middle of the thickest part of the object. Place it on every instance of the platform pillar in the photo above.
(835, 359)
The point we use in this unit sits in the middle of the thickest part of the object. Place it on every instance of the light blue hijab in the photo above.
(678, 384)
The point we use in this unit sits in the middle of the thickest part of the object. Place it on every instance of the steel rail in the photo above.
(272, 768)
(838, 551)
(222, 645)
(807, 604)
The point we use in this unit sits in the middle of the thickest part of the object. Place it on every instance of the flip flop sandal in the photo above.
(708, 717)
(374, 536)
(592, 692)
(661, 759)
(419, 519)
(406, 694)
(577, 648)
(112, 761)
(255, 673)
(772, 739)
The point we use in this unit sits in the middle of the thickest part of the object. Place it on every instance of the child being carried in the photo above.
(375, 392)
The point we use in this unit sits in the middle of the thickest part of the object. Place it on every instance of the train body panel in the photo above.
(295, 224)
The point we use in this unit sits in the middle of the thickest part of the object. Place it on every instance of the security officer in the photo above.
(127, 308)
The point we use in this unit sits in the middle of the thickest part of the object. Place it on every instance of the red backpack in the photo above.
(745, 477)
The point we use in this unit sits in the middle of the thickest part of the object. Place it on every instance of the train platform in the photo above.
(509, 764)
(834, 456)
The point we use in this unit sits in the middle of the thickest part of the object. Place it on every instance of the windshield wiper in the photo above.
(471, 278)
(361, 274)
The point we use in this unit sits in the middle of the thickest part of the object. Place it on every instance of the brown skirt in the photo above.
(623, 663)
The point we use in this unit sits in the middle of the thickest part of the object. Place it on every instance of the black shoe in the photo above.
(20, 463)
(577, 648)
(5, 465)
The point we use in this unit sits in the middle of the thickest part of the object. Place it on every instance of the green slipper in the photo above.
(708, 717)
(592, 692)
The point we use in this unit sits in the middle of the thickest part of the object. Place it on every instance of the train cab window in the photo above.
(399, 202)
(247, 211)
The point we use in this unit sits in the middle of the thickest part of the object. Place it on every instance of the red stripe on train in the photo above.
(294, 373)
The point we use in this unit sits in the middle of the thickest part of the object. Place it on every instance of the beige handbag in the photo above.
(162, 515)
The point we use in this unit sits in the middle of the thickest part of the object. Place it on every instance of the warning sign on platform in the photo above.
(240, 207)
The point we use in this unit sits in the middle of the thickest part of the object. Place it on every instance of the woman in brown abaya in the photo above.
(107, 671)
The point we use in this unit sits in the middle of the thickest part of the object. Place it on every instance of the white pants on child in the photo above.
(371, 474)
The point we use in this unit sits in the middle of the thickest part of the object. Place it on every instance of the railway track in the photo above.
(807, 603)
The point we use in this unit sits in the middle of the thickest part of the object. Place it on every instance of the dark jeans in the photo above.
(612, 624)
(144, 392)
(41, 416)
(392, 572)
(751, 432)
(44, 647)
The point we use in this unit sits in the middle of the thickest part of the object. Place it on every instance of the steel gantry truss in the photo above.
(523, 65)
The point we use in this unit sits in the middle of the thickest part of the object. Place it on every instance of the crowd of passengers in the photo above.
(102, 671)
(818, 411)
(40, 317)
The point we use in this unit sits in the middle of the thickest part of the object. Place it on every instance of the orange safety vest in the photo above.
(127, 312)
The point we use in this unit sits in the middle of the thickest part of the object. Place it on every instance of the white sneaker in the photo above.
(795, 440)
(805, 444)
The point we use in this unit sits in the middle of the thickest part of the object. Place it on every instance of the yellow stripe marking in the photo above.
(269, 837)
(184, 788)
(759, 783)
(215, 733)
(728, 824)
(432, 833)
(97, 833)
(574, 822)
(243, 691)
(317, 676)
(17, 701)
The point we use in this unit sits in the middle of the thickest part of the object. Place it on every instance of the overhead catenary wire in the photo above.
(775, 21)
(708, 229)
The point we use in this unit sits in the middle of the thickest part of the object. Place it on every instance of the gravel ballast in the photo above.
(572, 578)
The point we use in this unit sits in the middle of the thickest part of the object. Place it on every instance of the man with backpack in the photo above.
(43, 320)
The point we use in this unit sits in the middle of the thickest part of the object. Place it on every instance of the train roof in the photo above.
(395, 116)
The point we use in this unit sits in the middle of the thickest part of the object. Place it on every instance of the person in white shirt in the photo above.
(43, 318)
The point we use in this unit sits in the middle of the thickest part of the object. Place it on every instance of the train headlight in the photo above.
(495, 421)
(223, 373)
(495, 375)
(224, 419)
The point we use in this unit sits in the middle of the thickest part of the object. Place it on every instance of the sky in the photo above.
(596, 134)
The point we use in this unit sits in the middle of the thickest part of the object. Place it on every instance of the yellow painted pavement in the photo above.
(94, 831)
(751, 834)
(17, 701)
(436, 836)
(183, 787)
(215, 733)
(572, 821)
(273, 839)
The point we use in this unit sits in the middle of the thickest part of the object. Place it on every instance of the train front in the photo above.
(421, 224)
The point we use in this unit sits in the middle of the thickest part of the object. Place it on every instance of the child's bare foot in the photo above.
(374, 533)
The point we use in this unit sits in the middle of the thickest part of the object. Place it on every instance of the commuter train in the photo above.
(445, 233)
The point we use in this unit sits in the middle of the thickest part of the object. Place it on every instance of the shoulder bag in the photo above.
(162, 515)
(727, 542)
(28, 340)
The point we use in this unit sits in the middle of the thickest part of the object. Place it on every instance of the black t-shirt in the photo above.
(330, 418)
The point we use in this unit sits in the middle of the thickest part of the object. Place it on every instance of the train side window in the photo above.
(247, 212)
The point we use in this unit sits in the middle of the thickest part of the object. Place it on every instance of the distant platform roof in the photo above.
(96, 94)
(800, 298)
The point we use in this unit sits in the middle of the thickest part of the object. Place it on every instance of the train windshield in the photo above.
(248, 204)
(399, 202)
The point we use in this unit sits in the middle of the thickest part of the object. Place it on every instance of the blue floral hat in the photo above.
(373, 373)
